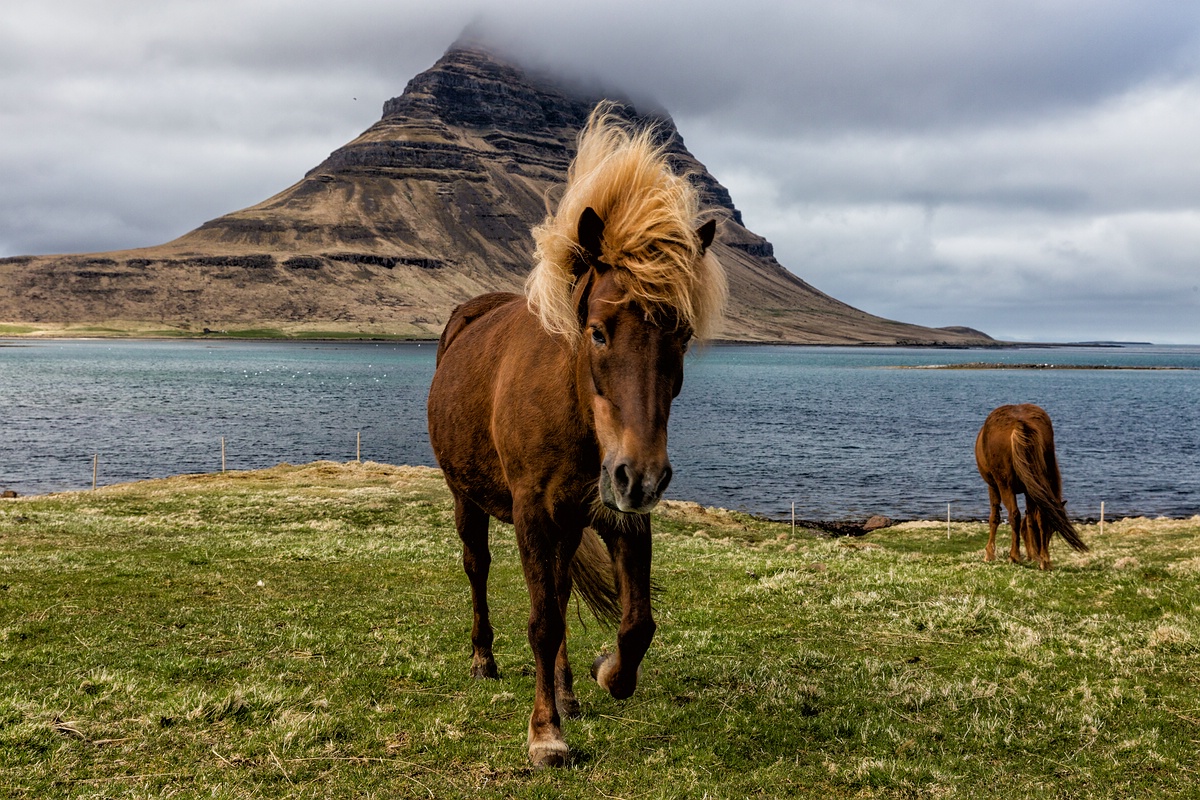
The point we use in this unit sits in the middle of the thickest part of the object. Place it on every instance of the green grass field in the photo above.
(303, 632)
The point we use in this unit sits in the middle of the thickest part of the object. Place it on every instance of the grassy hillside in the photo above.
(303, 632)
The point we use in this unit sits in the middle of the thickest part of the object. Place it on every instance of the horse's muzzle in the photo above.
(625, 488)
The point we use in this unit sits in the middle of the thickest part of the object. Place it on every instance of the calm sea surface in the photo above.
(838, 431)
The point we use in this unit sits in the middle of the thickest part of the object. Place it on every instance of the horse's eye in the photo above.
(598, 337)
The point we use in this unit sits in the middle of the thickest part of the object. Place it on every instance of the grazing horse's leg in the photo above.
(1014, 521)
(472, 524)
(989, 552)
(1039, 536)
(1029, 531)
(630, 548)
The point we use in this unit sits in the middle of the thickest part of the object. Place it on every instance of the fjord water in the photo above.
(842, 432)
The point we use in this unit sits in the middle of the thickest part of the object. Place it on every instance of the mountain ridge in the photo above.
(428, 207)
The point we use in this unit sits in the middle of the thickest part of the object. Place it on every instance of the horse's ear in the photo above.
(707, 232)
(591, 232)
(580, 298)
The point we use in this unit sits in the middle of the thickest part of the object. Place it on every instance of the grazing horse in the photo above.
(549, 410)
(1015, 455)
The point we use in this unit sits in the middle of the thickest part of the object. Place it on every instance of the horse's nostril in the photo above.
(621, 477)
(664, 480)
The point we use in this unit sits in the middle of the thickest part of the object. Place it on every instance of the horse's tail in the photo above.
(592, 577)
(1029, 462)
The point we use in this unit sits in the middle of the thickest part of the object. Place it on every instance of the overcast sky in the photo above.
(1029, 168)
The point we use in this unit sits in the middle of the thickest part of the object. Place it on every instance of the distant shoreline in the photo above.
(20, 332)
(12, 336)
(988, 365)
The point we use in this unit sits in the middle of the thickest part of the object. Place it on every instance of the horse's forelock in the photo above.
(649, 214)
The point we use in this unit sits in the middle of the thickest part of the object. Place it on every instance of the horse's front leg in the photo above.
(545, 554)
(630, 548)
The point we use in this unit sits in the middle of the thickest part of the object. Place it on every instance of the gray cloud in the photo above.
(837, 65)
(1027, 168)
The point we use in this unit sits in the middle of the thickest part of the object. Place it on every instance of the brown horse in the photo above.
(1015, 455)
(550, 411)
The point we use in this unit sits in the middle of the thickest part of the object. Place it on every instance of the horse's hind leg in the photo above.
(472, 524)
(1014, 522)
(1039, 538)
(1029, 532)
(564, 680)
(989, 552)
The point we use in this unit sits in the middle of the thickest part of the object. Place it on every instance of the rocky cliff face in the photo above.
(428, 207)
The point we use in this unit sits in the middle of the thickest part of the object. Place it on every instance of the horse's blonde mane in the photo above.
(649, 215)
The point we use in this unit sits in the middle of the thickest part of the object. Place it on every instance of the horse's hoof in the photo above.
(602, 672)
(549, 753)
(568, 707)
(481, 670)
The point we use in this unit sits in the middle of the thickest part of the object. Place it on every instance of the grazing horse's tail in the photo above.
(1029, 462)
(592, 577)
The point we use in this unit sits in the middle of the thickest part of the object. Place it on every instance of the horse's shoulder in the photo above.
(466, 313)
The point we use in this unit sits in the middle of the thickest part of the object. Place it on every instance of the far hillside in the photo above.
(428, 207)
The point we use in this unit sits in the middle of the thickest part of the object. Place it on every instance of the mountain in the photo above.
(428, 207)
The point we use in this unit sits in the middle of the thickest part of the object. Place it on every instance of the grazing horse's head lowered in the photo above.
(550, 411)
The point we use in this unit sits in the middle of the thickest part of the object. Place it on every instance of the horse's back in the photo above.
(466, 313)
(1036, 436)
(1029, 421)
(1013, 426)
